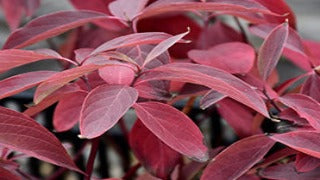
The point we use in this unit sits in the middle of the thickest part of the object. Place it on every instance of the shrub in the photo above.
(149, 56)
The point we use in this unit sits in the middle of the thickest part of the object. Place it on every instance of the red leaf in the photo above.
(303, 141)
(234, 6)
(238, 158)
(8, 175)
(311, 87)
(21, 133)
(305, 163)
(132, 40)
(155, 155)
(213, 78)
(211, 98)
(288, 171)
(158, 90)
(117, 74)
(127, 9)
(173, 128)
(163, 47)
(15, 57)
(67, 112)
(21, 82)
(94, 5)
(60, 79)
(13, 11)
(232, 57)
(239, 117)
(305, 106)
(59, 22)
(271, 49)
(103, 107)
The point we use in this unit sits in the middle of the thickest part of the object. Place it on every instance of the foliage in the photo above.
(147, 55)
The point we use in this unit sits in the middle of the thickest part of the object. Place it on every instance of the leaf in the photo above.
(271, 49)
(117, 74)
(132, 40)
(234, 6)
(173, 128)
(21, 133)
(60, 79)
(288, 171)
(305, 107)
(158, 90)
(67, 112)
(21, 82)
(103, 107)
(238, 158)
(311, 87)
(15, 57)
(94, 5)
(213, 78)
(127, 9)
(51, 25)
(158, 158)
(305, 163)
(163, 46)
(8, 174)
(211, 98)
(303, 141)
(233, 57)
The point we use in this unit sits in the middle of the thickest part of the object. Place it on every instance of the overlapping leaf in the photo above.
(305, 163)
(213, 78)
(238, 158)
(103, 107)
(21, 133)
(127, 9)
(173, 128)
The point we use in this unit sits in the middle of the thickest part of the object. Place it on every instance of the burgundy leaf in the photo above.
(60, 79)
(303, 141)
(155, 155)
(305, 163)
(231, 6)
(238, 158)
(288, 171)
(311, 87)
(234, 57)
(103, 107)
(94, 5)
(51, 25)
(271, 49)
(211, 98)
(163, 46)
(67, 112)
(158, 90)
(21, 133)
(132, 40)
(127, 9)
(13, 11)
(173, 128)
(305, 107)
(8, 174)
(15, 57)
(21, 82)
(213, 78)
(239, 117)
(117, 74)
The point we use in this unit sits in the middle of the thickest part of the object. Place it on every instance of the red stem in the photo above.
(92, 156)
(132, 171)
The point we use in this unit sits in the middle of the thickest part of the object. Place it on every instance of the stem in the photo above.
(92, 156)
(243, 32)
(189, 105)
(132, 171)
(271, 101)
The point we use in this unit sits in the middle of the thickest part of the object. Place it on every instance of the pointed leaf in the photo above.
(271, 49)
(305, 163)
(21, 133)
(67, 112)
(234, 57)
(117, 74)
(173, 128)
(211, 98)
(132, 40)
(311, 87)
(103, 107)
(8, 174)
(163, 46)
(238, 158)
(303, 141)
(15, 57)
(51, 25)
(127, 9)
(158, 158)
(216, 79)
(305, 106)
(21, 82)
